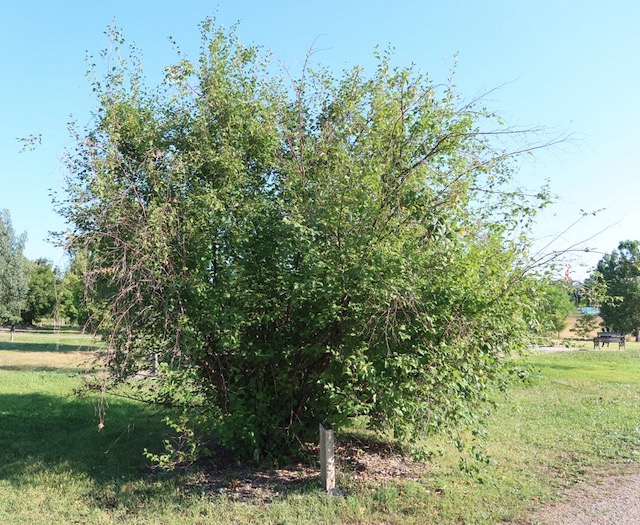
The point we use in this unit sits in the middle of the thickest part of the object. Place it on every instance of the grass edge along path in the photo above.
(581, 411)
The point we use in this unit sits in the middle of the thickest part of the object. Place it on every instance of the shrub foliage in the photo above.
(301, 251)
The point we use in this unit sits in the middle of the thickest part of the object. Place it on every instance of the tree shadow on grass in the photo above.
(17, 346)
(42, 436)
(42, 433)
(70, 371)
(556, 366)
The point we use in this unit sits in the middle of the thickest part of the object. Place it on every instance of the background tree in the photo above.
(585, 324)
(14, 271)
(41, 299)
(592, 292)
(73, 304)
(346, 247)
(620, 273)
(554, 304)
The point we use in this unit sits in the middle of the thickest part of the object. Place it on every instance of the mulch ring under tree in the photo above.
(359, 464)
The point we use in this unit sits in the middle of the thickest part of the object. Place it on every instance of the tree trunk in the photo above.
(637, 334)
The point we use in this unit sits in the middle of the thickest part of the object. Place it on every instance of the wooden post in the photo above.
(327, 460)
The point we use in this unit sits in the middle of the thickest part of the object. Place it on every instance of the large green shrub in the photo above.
(303, 253)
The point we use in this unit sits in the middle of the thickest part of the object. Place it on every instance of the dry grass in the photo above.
(571, 322)
(42, 349)
(18, 360)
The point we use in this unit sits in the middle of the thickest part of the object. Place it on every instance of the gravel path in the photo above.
(608, 499)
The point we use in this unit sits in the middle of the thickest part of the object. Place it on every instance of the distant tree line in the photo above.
(31, 291)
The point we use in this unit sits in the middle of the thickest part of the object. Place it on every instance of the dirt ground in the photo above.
(610, 497)
(364, 464)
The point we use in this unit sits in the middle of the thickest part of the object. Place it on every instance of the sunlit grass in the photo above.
(48, 340)
(581, 411)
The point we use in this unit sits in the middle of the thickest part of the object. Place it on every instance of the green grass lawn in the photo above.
(47, 340)
(581, 411)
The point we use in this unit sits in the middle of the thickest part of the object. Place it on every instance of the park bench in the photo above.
(603, 338)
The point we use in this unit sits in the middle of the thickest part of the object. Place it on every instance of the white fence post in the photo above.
(327, 460)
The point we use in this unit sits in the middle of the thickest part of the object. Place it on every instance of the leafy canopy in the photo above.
(42, 293)
(554, 304)
(14, 271)
(72, 301)
(342, 246)
(620, 273)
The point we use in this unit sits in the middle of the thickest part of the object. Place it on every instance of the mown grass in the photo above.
(48, 340)
(581, 411)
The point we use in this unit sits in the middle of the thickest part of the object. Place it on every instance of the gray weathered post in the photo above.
(327, 460)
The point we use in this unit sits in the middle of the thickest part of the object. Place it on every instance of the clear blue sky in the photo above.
(572, 66)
